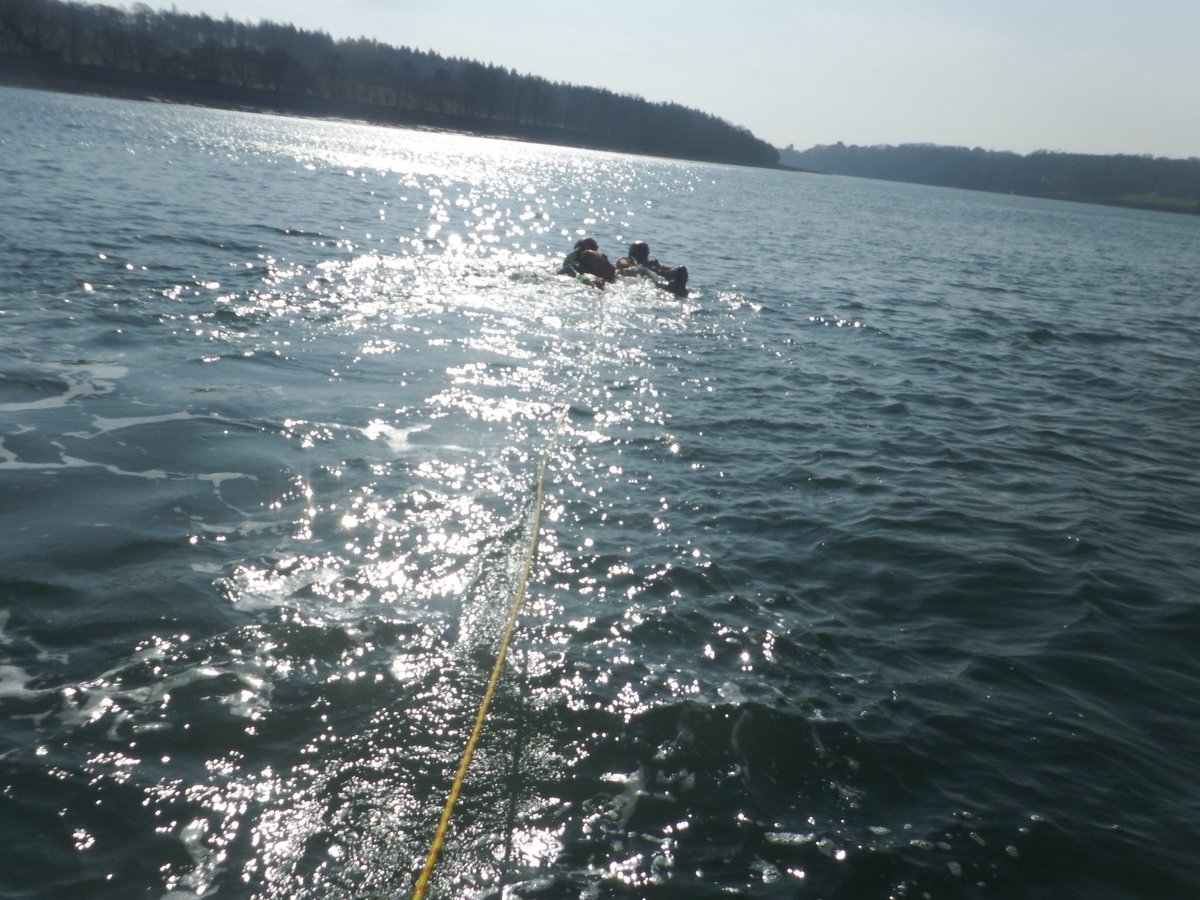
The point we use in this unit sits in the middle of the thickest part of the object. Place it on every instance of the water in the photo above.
(868, 570)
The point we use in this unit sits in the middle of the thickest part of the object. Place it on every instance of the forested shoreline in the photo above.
(1145, 182)
(149, 54)
(143, 53)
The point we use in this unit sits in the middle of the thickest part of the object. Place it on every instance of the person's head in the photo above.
(593, 262)
(639, 252)
(586, 244)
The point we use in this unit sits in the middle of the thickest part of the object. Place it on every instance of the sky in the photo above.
(1083, 76)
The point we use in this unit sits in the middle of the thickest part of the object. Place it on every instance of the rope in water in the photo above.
(439, 836)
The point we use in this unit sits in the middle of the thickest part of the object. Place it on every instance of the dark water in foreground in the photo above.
(869, 570)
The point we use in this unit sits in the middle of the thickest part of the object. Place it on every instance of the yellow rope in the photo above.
(439, 837)
(444, 822)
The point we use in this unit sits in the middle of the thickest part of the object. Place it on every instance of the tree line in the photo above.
(140, 51)
(1124, 180)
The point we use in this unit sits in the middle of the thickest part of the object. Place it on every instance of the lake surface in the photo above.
(867, 570)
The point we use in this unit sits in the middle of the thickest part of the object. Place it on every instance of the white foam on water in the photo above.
(397, 439)
(10, 460)
(87, 380)
(106, 424)
(14, 683)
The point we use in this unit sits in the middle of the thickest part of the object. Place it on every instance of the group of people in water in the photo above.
(590, 266)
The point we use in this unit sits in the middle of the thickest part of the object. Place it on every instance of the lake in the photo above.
(868, 569)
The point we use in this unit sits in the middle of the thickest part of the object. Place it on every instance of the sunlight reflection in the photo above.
(414, 363)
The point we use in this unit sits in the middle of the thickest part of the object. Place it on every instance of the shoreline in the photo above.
(21, 72)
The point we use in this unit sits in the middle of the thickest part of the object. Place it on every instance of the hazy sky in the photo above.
(1092, 76)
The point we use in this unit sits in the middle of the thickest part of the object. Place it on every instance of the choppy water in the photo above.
(868, 570)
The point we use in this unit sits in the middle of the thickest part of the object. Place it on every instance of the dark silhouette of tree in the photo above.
(140, 52)
(1124, 180)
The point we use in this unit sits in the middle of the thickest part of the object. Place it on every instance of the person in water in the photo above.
(570, 265)
(588, 264)
(638, 262)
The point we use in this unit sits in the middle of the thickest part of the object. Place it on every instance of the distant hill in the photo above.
(143, 53)
(1172, 185)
